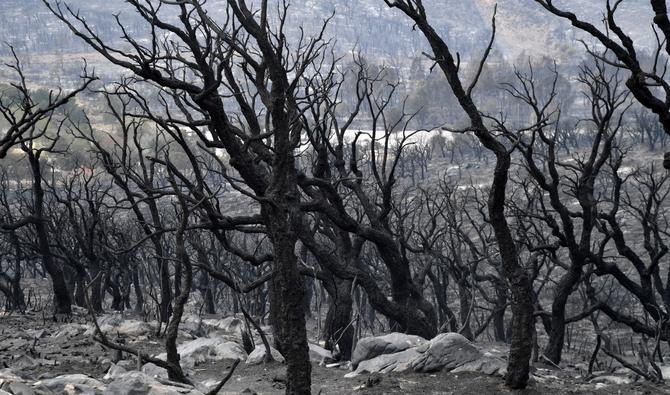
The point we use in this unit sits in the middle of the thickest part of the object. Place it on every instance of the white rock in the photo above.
(319, 354)
(210, 349)
(387, 363)
(114, 372)
(487, 365)
(617, 380)
(24, 362)
(258, 355)
(7, 375)
(129, 328)
(71, 384)
(370, 347)
(228, 324)
(16, 388)
(153, 370)
(665, 371)
(138, 383)
(445, 351)
(70, 330)
(134, 328)
(132, 383)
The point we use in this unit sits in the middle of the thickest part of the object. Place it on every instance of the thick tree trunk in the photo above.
(554, 348)
(499, 315)
(117, 298)
(79, 288)
(62, 301)
(515, 274)
(165, 306)
(418, 314)
(17, 290)
(521, 289)
(447, 316)
(337, 329)
(287, 303)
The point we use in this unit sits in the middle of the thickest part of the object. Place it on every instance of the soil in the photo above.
(80, 354)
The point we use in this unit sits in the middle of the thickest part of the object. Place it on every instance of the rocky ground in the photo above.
(39, 356)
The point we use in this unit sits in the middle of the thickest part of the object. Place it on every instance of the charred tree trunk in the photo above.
(337, 329)
(287, 303)
(96, 289)
(518, 279)
(172, 330)
(465, 304)
(139, 294)
(18, 300)
(79, 288)
(207, 294)
(499, 315)
(62, 301)
(165, 307)
(554, 348)
(447, 316)
(114, 290)
(418, 314)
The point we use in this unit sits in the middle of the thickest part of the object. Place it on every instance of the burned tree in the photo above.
(515, 273)
(647, 83)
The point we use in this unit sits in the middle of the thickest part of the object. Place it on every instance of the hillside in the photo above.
(368, 25)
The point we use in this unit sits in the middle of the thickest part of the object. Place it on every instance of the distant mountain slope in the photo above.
(368, 25)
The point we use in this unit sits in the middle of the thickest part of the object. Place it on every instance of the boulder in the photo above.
(153, 370)
(387, 363)
(70, 330)
(318, 354)
(8, 375)
(134, 328)
(209, 349)
(17, 388)
(129, 328)
(370, 347)
(24, 362)
(204, 349)
(258, 355)
(114, 372)
(70, 384)
(110, 319)
(131, 383)
(228, 324)
(445, 351)
(138, 383)
(487, 365)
